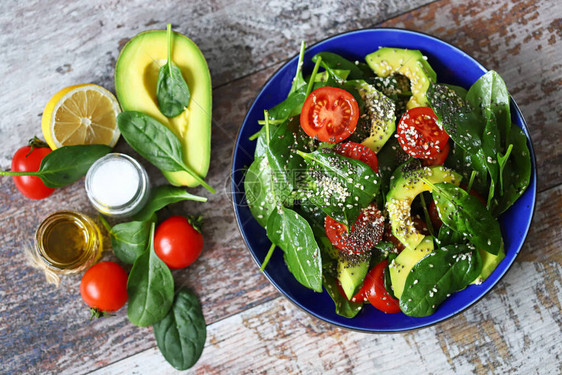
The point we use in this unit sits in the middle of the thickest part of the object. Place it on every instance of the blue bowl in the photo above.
(452, 66)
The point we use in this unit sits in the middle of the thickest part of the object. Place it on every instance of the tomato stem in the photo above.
(267, 257)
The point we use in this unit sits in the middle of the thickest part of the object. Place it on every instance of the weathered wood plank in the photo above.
(499, 335)
(521, 40)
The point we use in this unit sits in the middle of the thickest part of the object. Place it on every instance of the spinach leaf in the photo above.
(465, 213)
(517, 171)
(292, 233)
(150, 287)
(445, 271)
(338, 185)
(65, 165)
(129, 240)
(389, 157)
(387, 279)
(172, 91)
(489, 95)
(344, 307)
(298, 81)
(181, 335)
(502, 162)
(163, 196)
(461, 161)
(156, 143)
(258, 185)
(334, 63)
(448, 236)
(289, 107)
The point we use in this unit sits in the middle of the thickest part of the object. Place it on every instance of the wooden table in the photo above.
(252, 328)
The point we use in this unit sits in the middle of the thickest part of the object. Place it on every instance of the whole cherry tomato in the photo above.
(28, 159)
(329, 114)
(104, 287)
(177, 242)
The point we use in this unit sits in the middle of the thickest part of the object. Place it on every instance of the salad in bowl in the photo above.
(382, 186)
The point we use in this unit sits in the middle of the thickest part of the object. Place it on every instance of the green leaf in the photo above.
(292, 233)
(130, 240)
(517, 171)
(431, 280)
(163, 196)
(181, 335)
(334, 63)
(65, 165)
(338, 185)
(344, 307)
(172, 92)
(258, 186)
(464, 213)
(150, 287)
(155, 142)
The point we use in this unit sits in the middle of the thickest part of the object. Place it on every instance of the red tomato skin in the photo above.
(376, 292)
(419, 135)
(24, 161)
(177, 243)
(359, 152)
(324, 99)
(104, 286)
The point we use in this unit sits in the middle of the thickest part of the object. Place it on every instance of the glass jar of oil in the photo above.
(68, 242)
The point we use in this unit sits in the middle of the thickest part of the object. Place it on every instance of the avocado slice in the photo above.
(489, 264)
(381, 112)
(401, 266)
(411, 63)
(352, 270)
(404, 188)
(136, 75)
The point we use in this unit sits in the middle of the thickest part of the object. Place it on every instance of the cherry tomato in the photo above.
(360, 152)
(365, 233)
(438, 159)
(28, 159)
(104, 287)
(419, 135)
(329, 114)
(375, 291)
(177, 242)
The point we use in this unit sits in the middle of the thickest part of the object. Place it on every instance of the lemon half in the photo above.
(80, 115)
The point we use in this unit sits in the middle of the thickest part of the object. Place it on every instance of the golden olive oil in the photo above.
(68, 242)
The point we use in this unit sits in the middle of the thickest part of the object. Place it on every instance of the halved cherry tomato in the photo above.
(329, 114)
(365, 233)
(376, 292)
(419, 135)
(28, 159)
(438, 159)
(360, 152)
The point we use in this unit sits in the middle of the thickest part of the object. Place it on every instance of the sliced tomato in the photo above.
(438, 159)
(329, 114)
(360, 152)
(365, 233)
(419, 134)
(376, 292)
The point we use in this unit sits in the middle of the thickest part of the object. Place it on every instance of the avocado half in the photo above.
(136, 76)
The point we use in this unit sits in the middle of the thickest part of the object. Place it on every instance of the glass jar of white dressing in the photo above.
(117, 185)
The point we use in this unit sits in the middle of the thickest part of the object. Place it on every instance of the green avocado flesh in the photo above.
(405, 261)
(489, 264)
(410, 63)
(405, 187)
(136, 76)
(351, 275)
(381, 112)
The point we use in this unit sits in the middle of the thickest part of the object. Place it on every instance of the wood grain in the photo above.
(516, 328)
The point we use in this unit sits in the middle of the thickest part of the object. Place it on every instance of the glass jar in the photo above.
(117, 185)
(67, 242)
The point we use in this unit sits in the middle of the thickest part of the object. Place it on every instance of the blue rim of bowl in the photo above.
(532, 182)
